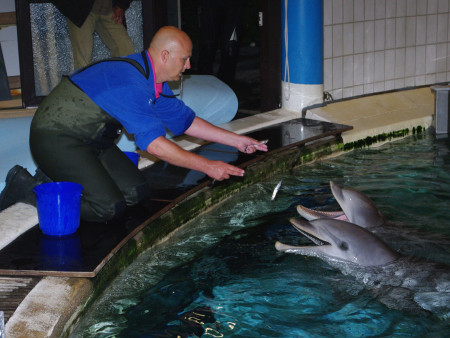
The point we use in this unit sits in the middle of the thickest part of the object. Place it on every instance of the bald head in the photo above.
(171, 50)
(169, 37)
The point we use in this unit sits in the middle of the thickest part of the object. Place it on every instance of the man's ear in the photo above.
(164, 56)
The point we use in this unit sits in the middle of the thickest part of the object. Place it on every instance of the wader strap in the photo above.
(106, 136)
(136, 64)
(147, 68)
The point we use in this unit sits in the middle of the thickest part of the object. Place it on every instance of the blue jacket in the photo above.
(122, 91)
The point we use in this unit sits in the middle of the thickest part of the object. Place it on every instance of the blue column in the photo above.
(302, 52)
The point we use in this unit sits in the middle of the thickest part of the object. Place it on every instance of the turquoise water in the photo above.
(220, 275)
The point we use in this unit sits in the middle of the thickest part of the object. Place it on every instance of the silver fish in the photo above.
(254, 145)
(275, 191)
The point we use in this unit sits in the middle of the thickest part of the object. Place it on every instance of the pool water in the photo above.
(220, 275)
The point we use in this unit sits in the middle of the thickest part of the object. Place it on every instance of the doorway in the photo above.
(257, 78)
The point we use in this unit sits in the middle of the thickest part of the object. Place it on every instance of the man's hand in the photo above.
(170, 152)
(220, 171)
(118, 14)
(206, 131)
(249, 145)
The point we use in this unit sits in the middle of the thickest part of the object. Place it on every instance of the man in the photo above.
(84, 17)
(72, 133)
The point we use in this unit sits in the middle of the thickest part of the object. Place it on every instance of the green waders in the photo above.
(72, 139)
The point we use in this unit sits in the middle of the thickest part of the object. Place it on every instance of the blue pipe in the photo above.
(304, 41)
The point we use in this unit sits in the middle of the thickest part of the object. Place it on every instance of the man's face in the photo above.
(179, 61)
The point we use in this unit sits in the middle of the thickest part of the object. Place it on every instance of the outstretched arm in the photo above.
(170, 152)
(209, 132)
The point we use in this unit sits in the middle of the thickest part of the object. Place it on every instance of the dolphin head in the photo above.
(342, 240)
(356, 208)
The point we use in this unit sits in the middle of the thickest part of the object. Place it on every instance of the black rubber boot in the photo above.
(41, 177)
(19, 188)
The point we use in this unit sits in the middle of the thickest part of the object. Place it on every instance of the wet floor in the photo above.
(84, 253)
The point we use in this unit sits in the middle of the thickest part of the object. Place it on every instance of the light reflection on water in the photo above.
(220, 276)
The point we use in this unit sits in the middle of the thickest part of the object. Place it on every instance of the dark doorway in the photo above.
(270, 54)
(257, 81)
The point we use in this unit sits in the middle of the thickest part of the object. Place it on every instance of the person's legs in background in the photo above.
(114, 35)
(82, 40)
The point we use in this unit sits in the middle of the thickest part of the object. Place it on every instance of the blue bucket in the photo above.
(58, 205)
(134, 157)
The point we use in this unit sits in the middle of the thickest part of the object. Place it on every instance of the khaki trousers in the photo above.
(114, 36)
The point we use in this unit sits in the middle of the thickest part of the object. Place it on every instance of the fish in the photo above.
(254, 145)
(275, 191)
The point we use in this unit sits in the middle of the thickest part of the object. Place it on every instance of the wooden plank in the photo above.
(14, 113)
(14, 82)
(15, 102)
(8, 19)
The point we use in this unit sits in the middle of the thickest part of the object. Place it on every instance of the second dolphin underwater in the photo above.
(348, 240)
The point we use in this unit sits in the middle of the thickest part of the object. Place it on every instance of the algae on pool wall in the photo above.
(371, 140)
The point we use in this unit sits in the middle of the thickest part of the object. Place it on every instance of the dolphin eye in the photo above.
(343, 246)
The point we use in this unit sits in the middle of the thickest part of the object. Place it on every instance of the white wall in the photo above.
(8, 41)
(379, 45)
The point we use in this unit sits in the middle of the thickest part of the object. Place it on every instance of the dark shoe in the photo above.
(19, 188)
(41, 177)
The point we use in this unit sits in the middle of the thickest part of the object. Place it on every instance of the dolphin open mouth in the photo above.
(311, 214)
(309, 232)
(303, 228)
(355, 207)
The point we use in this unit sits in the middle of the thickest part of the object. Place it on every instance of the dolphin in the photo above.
(341, 240)
(359, 209)
(400, 282)
(356, 208)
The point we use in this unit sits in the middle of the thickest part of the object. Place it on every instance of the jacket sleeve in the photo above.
(124, 4)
